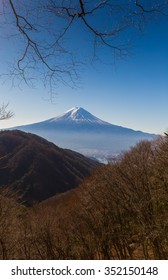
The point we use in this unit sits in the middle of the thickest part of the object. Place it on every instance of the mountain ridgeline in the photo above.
(38, 169)
(118, 211)
(79, 130)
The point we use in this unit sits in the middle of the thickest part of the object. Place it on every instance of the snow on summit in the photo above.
(78, 115)
(79, 130)
(77, 120)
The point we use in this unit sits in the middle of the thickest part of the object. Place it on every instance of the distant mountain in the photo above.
(81, 131)
(38, 169)
(78, 119)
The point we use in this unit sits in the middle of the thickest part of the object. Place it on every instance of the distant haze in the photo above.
(79, 130)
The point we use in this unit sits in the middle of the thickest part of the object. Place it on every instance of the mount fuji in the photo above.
(79, 130)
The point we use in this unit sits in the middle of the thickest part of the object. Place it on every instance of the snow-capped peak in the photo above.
(78, 115)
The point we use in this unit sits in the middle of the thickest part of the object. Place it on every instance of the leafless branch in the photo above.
(4, 113)
(47, 29)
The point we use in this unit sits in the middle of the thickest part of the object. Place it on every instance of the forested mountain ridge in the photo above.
(38, 169)
(119, 212)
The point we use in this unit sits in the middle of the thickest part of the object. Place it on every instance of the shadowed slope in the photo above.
(37, 168)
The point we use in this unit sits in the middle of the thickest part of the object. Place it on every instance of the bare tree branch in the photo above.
(156, 8)
(50, 41)
(4, 113)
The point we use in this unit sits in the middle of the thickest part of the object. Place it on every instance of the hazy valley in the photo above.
(58, 204)
(74, 186)
(79, 130)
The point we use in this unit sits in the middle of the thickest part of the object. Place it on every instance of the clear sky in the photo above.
(132, 92)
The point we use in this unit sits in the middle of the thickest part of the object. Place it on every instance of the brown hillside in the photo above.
(38, 169)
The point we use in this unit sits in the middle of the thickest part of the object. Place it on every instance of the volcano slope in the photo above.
(79, 130)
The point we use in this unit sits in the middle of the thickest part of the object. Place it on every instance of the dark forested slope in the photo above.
(38, 169)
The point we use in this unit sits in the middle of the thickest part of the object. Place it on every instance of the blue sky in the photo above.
(132, 92)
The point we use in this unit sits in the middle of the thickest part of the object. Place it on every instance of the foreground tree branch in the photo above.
(50, 34)
(4, 113)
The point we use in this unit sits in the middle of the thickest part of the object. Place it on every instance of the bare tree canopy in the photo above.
(51, 34)
(4, 113)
